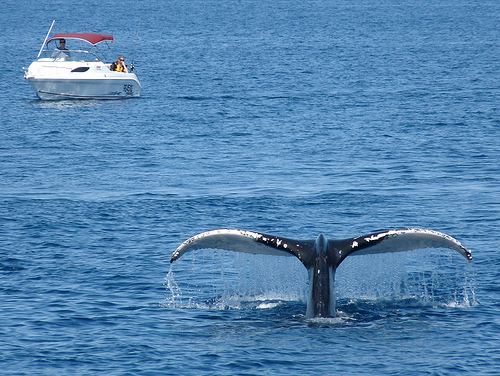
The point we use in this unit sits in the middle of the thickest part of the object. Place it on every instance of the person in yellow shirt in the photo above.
(119, 65)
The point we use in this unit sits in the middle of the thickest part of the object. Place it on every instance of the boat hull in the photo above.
(92, 88)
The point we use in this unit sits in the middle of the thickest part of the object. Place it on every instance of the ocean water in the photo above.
(292, 118)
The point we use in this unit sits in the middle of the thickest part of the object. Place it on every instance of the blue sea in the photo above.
(287, 117)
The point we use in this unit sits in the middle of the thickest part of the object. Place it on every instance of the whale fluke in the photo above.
(321, 256)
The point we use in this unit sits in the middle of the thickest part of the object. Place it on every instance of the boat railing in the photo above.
(68, 55)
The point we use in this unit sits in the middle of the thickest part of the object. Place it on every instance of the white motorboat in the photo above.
(80, 73)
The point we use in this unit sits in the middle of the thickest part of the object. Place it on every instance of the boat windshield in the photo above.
(57, 52)
(68, 55)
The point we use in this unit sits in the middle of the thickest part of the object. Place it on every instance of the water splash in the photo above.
(227, 280)
(432, 277)
(173, 287)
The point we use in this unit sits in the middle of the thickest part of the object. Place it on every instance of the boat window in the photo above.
(80, 69)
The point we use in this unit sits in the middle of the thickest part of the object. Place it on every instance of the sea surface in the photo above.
(288, 117)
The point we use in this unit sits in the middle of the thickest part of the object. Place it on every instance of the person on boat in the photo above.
(62, 44)
(119, 65)
(59, 55)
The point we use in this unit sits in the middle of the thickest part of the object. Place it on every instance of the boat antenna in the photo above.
(135, 46)
(45, 40)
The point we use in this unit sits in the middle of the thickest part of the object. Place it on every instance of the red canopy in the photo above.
(91, 38)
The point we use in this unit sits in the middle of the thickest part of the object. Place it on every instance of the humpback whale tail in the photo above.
(321, 256)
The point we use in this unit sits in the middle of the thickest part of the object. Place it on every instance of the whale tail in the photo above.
(321, 256)
(338, 250)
